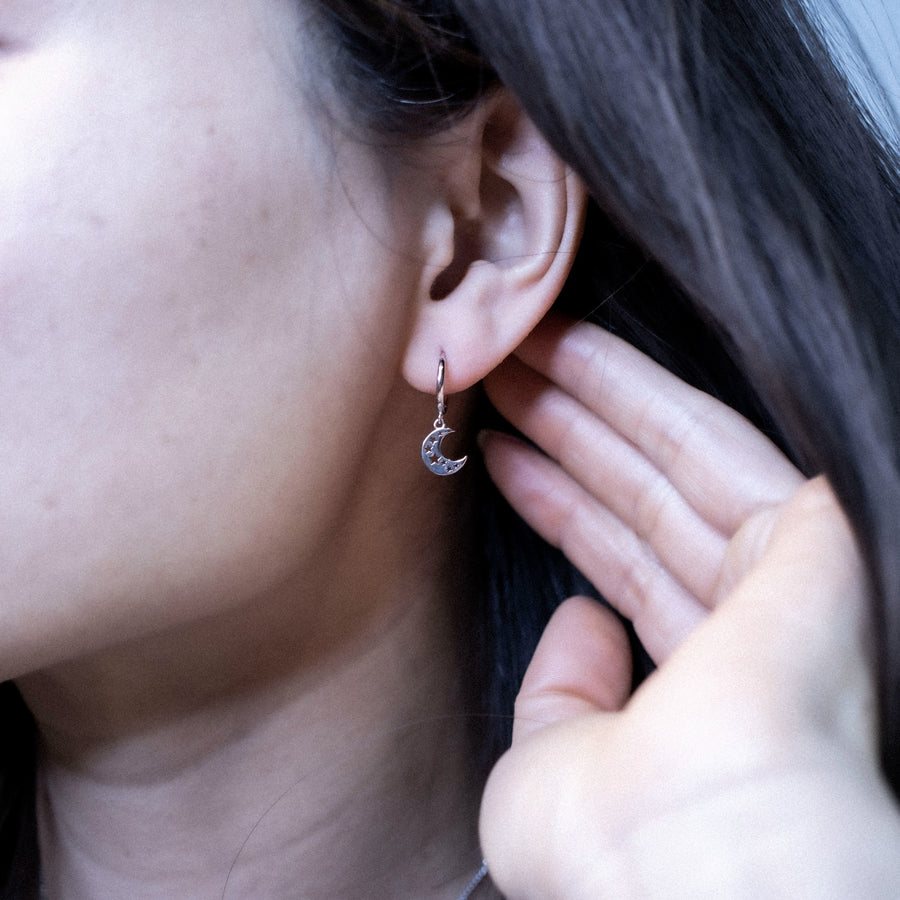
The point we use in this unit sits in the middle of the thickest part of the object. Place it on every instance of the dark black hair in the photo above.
(720, 138)
(744, 230)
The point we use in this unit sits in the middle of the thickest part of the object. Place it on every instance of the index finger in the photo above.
(707, 450)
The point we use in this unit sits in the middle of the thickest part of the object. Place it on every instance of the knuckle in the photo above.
(651, 506)
(639, 579)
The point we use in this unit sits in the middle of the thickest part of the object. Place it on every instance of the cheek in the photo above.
(133, 259)
(169, 313)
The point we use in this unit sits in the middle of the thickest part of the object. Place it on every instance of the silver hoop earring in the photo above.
(432, 455)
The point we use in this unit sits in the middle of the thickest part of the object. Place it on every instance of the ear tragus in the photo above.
(467, 248)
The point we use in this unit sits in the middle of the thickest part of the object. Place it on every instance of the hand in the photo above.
(746, 765)
(657, 492)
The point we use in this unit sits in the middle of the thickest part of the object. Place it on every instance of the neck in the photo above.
(275, 751)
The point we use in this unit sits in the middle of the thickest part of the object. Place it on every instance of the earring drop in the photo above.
(432, 455)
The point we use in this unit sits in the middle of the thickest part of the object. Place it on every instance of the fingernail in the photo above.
(493, 436)
(483, 437)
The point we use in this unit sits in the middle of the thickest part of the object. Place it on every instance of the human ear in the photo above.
(503, 232)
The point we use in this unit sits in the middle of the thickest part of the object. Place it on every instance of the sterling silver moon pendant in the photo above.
(432, 454)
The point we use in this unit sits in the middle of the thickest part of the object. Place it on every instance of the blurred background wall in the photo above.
(876, 23)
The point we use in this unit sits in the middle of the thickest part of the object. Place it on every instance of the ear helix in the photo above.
(432, 454)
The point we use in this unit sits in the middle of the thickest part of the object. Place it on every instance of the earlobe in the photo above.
(506, 231)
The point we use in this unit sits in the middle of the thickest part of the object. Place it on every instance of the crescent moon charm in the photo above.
(433, 456)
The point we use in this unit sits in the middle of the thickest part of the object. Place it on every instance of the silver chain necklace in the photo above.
(477, 878)
(470, 888)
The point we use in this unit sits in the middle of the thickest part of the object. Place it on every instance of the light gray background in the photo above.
(877, 24)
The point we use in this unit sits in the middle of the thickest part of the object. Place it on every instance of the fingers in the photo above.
(613, 473)
(722, 466)
(616, 561)
(582, 664)
(654, 479)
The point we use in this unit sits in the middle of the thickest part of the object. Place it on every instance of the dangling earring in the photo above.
(432, 456)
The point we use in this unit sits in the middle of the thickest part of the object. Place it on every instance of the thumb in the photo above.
(582, 664)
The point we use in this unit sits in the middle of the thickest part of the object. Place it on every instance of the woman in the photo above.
(255, 634)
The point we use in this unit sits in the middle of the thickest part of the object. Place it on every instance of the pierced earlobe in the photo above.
(432, 455)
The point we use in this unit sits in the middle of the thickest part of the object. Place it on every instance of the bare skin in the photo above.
(225, 593)
(227, 583)
(244, 756)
